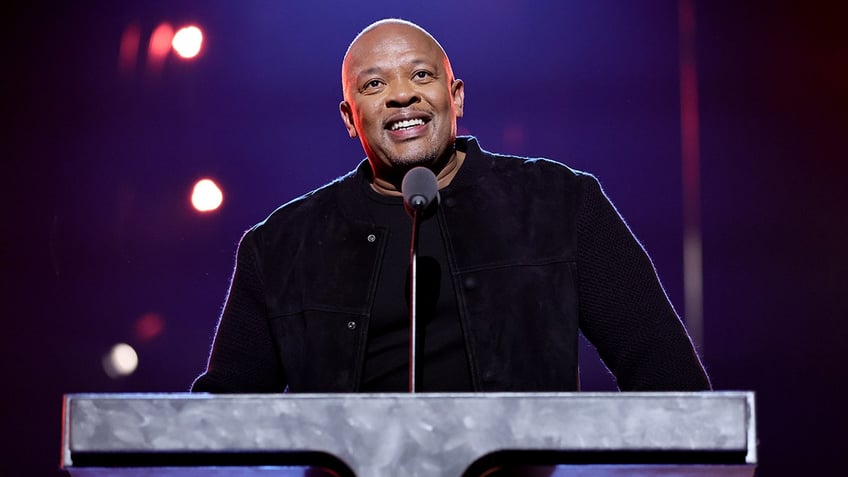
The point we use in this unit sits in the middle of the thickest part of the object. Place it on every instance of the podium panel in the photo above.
(374, 435)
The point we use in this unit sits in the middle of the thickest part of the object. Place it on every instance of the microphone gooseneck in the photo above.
(420, 190)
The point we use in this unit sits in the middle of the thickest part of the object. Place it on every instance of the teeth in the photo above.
(406, 123)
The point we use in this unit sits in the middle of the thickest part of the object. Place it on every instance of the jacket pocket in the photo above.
(319, 348)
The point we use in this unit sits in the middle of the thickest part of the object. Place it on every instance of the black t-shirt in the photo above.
(442, 362)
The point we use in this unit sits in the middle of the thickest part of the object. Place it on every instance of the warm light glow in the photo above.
(122, 360)
(187, 41)
(149, 326)
(128, 54)
(206, 196)
(160, 45)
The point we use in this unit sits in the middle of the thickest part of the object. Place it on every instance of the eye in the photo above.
(371, 84)
(421, 74)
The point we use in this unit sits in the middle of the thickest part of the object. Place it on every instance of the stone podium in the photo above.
(420, 435)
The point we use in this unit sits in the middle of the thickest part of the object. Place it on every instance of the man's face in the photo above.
(400, 98)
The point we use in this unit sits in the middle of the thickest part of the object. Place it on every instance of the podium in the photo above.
(421, 435)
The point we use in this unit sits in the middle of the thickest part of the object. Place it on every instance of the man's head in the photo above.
(400, 98)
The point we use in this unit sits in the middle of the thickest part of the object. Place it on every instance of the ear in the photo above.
(458, 93)
(347, 118)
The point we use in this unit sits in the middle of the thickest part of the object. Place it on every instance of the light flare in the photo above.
(206, 196)
(188, 41)
(122, 360)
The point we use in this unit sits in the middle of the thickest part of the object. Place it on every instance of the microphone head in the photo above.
(420, 189)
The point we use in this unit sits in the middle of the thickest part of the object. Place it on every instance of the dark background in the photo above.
(97, 165)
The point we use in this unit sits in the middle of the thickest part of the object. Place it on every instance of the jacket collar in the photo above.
(352, 186)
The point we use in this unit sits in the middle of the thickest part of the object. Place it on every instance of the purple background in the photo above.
(97, 168)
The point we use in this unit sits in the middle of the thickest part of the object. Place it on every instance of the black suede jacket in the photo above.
(536, 251)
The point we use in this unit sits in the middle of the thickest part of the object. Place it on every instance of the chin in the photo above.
(412, 161)
(421, 157)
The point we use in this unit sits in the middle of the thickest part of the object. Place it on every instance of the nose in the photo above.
(402, 94)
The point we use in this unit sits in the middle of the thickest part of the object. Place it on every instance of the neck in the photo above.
(444, 176)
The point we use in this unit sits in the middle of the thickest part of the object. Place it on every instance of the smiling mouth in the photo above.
(405, 124)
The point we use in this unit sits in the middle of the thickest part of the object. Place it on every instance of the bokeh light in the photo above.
(122, 360)
(160, 45)
(149, 326)
(206, 196)
(188, 41)
(128, 54)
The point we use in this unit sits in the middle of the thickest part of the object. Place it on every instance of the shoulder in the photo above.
(315, 205)
(529, 171)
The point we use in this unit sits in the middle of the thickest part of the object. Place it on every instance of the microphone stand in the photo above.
(413, 299)
(420, 188)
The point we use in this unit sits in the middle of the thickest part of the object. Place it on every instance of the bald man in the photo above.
(518, 258)
(401, 100)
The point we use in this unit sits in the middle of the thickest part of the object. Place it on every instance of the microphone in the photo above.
(419, 188)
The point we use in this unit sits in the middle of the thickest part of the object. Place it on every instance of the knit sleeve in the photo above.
(624, 311)
(243, 358)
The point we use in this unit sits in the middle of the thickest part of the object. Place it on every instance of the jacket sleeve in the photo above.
(243, 357)
(624, 311)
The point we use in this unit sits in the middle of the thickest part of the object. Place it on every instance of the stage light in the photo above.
(187, 41)
(122, 360)
(159, 46)
(149, 326)
(206, 196)
(128, 54)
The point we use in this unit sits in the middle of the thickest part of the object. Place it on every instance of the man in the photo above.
(519, 255)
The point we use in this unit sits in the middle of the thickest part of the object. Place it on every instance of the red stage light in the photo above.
(149, 326)
(128, 55)
(160, 45)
